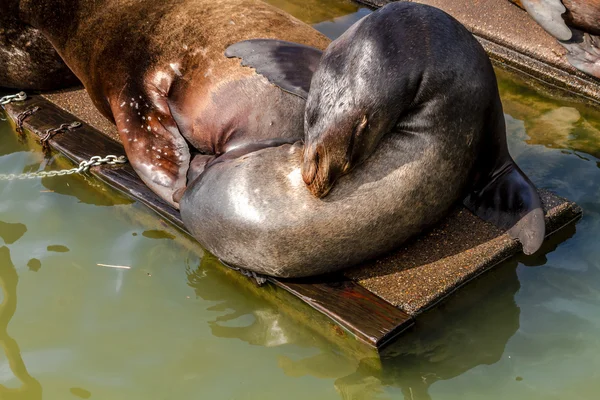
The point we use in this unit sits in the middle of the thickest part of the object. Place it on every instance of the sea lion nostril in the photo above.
(310, 166)
(316, 171)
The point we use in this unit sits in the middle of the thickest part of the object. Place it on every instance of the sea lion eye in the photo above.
(361, 126)
(357, 133)
(312, 118)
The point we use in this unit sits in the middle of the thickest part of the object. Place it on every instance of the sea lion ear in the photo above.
(508, 199)
(548, 14)
(285, 64)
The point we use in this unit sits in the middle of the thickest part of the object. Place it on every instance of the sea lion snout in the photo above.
(332, 154)
(315, 170)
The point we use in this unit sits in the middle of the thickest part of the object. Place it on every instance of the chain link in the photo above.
(13, 97)
(84, 166)
(24, 115)
(51, 132)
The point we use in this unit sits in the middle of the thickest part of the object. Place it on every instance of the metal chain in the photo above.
(51, 132)
(13, 97)
(84, 166)
(24, 115)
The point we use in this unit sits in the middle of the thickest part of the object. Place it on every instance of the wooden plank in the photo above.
(366, 316)
(378, 322)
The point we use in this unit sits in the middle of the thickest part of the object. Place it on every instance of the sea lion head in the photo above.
(350, 107)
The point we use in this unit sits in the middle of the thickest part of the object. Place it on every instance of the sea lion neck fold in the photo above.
(382, 81)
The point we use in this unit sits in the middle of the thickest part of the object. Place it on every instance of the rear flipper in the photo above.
(510, 201)
(583, 48)
(584, 52)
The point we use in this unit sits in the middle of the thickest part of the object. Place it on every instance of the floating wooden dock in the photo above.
(365, 307)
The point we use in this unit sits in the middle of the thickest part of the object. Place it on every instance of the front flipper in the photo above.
(508, 199)
(285, 64)
(584, 52)
(154, 146)
(548, 14)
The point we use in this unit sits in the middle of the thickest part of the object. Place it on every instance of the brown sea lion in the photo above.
(576, 25)
(158, 69)
(410, 95)
(27, 59)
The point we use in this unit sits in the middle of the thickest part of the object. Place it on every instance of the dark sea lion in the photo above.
(576, 25)
(409, 93)
(27, 59)
(158, 69)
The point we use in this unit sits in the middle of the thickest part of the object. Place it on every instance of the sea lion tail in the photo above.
(510, 201)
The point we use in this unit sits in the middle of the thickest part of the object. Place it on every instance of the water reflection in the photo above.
(258, 323)
(30, 388)
(469, 330)
(211, 283)
(555, 123)
(11, 232)
(79, 186)
(157, 234)
(34, 265)
(333, 29)
(11, 143)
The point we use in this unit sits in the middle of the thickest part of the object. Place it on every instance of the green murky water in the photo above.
(174, 325)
